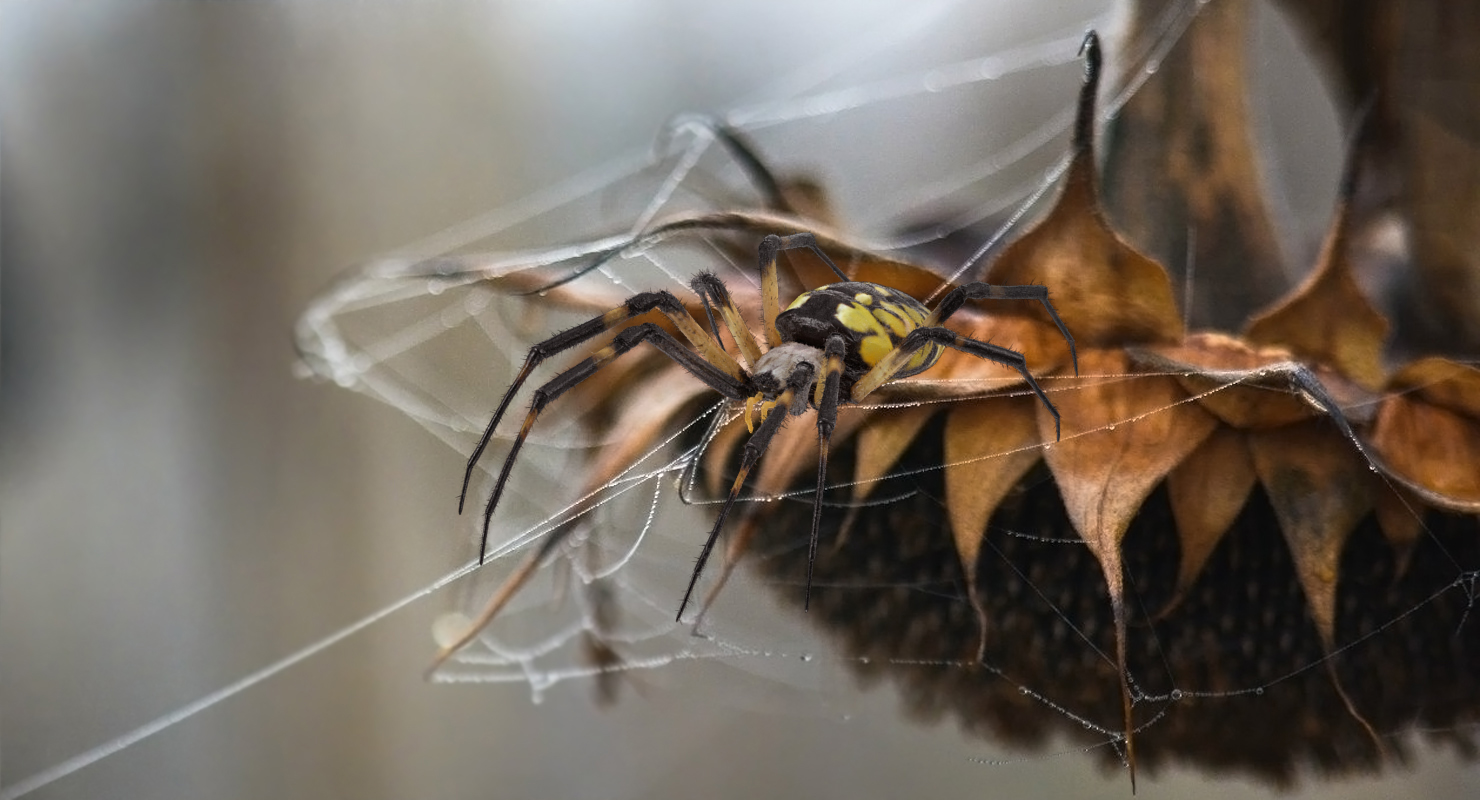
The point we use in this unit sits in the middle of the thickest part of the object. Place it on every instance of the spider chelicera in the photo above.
(832, 346)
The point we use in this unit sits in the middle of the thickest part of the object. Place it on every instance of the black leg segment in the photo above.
(648, 332)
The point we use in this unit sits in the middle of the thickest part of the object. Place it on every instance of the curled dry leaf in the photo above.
(1218, 370)
(1433, 447)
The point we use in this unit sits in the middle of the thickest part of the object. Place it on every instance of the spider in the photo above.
(833, 345)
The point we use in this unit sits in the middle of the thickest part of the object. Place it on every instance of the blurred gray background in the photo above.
(179, 180)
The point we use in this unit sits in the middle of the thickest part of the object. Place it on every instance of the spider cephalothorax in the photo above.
(833, 345)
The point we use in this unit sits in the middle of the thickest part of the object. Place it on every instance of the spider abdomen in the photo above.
(871, 318)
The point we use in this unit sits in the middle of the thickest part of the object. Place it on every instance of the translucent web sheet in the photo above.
(422, 331)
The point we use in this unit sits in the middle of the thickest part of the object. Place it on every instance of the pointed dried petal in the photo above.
(1208, 489)
(1251, 388)
(1400, 516)
(1320, 488)
(1327, 319)
(886, 434)
(1187, 174)
(934, 386)
(1431, 450)
(1106, 291)
(989, 446)
(1123, 433)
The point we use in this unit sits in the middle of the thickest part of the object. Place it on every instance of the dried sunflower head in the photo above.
(1248, 505)
(1226, 511)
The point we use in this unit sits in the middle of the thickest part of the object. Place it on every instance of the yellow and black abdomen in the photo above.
(873, 319)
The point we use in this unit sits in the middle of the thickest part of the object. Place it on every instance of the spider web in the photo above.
(416, 331)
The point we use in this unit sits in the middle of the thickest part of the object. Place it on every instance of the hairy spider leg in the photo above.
(636, 306)
(920, 337)
(829, 390)
(795, 397)
(958, 296)
(715, 295)
(770, 286)
(716, 377)
(827, 396)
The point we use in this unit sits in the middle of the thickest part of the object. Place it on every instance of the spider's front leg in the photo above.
(770, 247)
(715, 295)
(921, 337)
(958, 296)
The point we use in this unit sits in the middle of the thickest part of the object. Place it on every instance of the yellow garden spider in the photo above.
(833, 345)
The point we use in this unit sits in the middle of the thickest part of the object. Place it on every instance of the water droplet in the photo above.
(1176, 694)
(1259, 691)
(806, 656)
